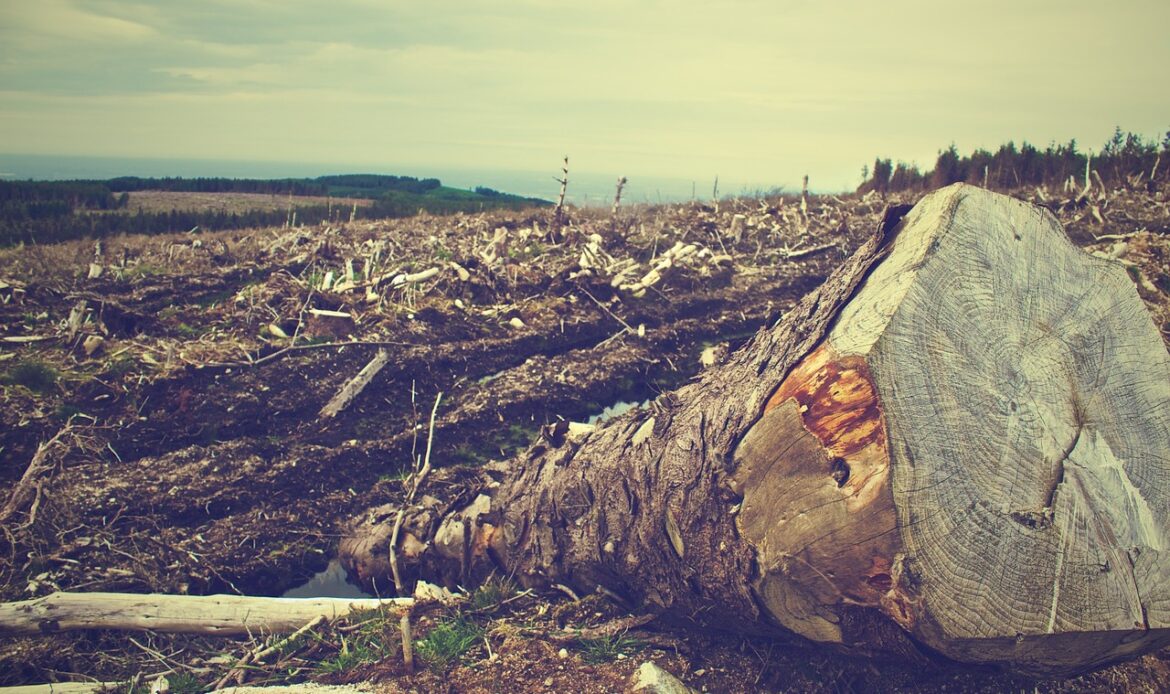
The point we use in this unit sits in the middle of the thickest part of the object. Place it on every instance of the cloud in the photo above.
(61, 19)
(761, 89)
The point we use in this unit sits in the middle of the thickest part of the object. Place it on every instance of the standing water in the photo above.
(333, 582)
(611, 411)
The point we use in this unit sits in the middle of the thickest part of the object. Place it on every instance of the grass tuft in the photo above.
(375, 638)
(177, 683)
(494, 591)
(608, 648)
(448, 641)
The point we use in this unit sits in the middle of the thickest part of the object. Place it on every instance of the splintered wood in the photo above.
(814, 474)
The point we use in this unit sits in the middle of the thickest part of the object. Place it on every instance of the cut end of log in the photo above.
(979, 449)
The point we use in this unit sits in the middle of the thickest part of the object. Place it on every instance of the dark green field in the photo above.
(53, 211)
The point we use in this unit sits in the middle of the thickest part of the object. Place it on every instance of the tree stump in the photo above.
(960, 441)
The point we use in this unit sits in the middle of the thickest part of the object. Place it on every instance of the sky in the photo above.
(755, 92)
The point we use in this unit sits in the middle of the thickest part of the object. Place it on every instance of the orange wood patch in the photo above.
(840, 407)
(838, 401)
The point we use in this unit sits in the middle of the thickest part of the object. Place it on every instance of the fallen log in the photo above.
(180, 614)
(87, 687)
(61, 688)
(957, 445)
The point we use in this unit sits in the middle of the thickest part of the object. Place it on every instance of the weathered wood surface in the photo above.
(959, 442)
(189, 614)
(61, 688)
(978, 449)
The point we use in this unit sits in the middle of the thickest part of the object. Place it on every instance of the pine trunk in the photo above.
(960, 441)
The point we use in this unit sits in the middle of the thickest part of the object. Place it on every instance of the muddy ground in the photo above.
(180, 380)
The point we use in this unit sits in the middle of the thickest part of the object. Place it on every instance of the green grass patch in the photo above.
(178, 683)
(396, 476)
(448, 641)
(492, 593)
(533, 250)
(187, 330)
(442, 252)
(353, 652)
(121, 365)
(145, 270)
(376, 638)
(66, 411)
(34, 375)
(608, 648)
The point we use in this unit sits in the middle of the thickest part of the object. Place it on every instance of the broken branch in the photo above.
(355, 385)
(179, 614)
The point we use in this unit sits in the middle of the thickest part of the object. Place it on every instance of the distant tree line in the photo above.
(276, 186)
(68, 226)
(40, 199)
(361, 185)
(1127, 159)
(52, 211)
(341, 186)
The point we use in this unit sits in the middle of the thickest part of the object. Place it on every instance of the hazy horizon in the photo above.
(584, 188)
(757, 93)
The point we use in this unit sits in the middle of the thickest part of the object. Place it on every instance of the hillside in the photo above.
(53, 211)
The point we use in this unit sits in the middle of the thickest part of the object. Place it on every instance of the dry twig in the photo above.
(30, 482)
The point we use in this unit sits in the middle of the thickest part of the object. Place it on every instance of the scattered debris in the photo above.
(201, 466)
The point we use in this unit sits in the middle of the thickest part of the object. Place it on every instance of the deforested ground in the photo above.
(169, 390)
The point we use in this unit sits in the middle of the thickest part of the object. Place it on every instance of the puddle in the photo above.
(619, 407)
(330, 583)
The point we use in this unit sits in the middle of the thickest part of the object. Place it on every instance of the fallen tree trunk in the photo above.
(960, 441)
(61, 688)
(183, 614)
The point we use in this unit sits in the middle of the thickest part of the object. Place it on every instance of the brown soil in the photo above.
(194, 458)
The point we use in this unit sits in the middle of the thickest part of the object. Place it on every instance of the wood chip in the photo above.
(92, 344)
(644, 432)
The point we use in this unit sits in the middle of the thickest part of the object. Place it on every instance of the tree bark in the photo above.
(958, 442)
